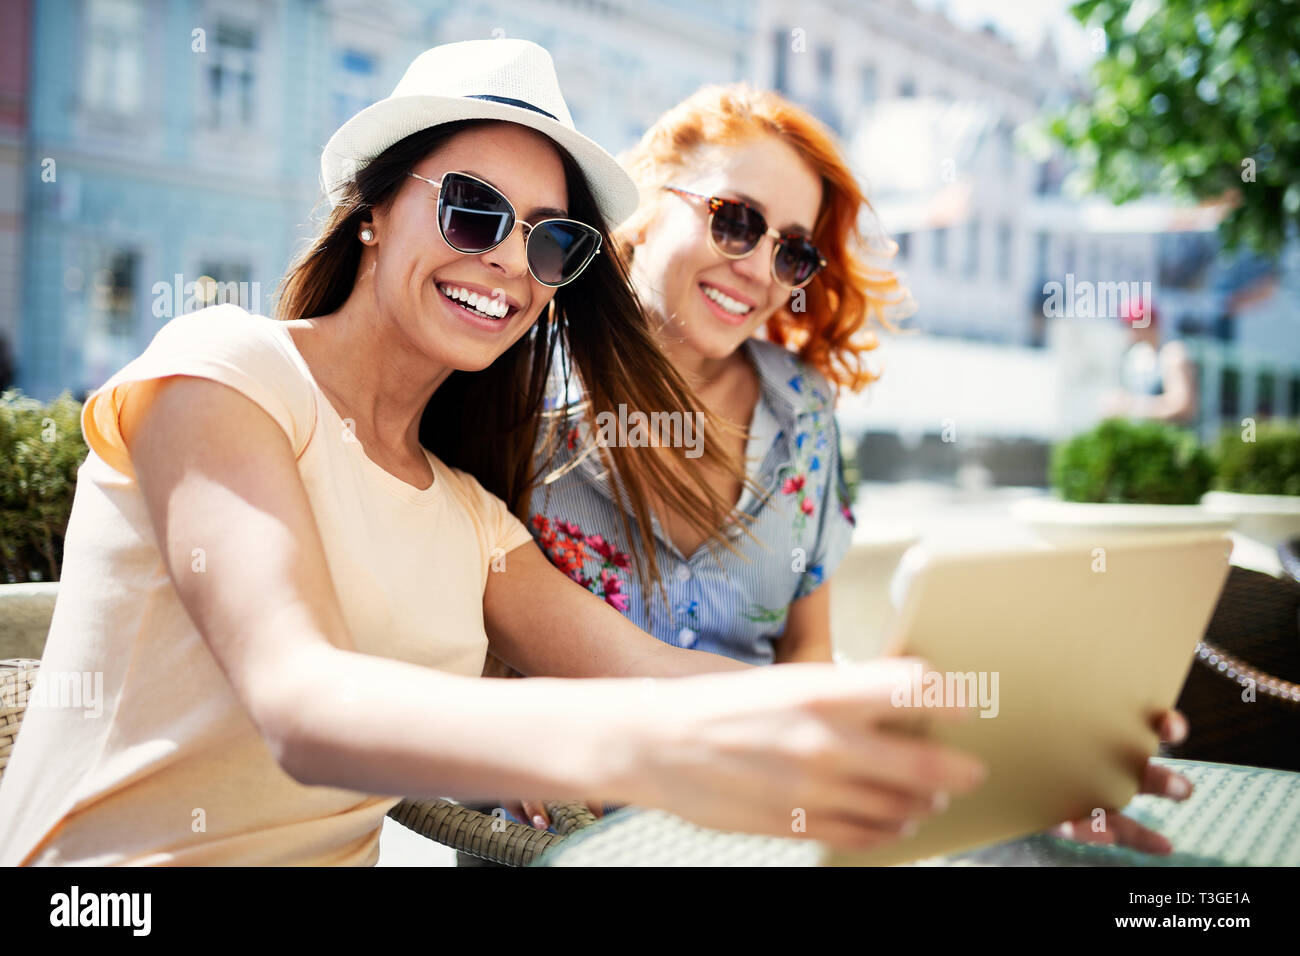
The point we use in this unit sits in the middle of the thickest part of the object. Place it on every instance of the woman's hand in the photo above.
(533, 812)
(801, 750)
(1125, 831)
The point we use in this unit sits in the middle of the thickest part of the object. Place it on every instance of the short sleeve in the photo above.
(502, 529)
(225, 344)
(835, 528)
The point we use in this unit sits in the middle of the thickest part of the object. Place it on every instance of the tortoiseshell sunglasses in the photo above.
(736, 228)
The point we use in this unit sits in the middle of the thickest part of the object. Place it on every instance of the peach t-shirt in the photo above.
(164, 764)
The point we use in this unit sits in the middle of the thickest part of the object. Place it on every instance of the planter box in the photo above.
(25, 612)
(1072, 522)
(1268, 519)
(1260, 523)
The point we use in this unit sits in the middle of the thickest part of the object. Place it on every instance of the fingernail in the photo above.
(939, 803)
(978, 775)
(538, 821)
(908, 829)
(1178, 787)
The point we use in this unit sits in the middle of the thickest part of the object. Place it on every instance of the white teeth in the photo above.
(726, 301)
(490, 306)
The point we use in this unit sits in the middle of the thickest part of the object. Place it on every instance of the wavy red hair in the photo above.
(831, 333)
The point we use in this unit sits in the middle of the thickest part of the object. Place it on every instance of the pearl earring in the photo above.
(366, 235)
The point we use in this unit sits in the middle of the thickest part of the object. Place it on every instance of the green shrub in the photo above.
(1132, 462)
(41, 449)
(1269, 465)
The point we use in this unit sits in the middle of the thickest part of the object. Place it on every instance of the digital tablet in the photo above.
(1067, 654)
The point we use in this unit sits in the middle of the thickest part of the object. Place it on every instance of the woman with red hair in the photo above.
(748, 224)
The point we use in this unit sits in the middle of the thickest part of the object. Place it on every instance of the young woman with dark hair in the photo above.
(292, 544)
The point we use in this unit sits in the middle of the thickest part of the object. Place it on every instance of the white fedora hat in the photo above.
(511, 80)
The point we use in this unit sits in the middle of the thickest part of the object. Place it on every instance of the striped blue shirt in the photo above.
(723, 603)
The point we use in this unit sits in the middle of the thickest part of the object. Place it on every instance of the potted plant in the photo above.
(1125, 479)
(41, 449)
(1257, 486)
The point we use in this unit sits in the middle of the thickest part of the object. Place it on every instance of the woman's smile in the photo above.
(727, 305)
(477, 306)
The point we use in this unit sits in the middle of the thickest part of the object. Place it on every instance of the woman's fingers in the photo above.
(1165, 782)
(874, 806)
(1172, 727)
(918, 767)
(534, 813)
(1118, 831)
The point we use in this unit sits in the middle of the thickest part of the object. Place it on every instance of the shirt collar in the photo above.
(790, 391)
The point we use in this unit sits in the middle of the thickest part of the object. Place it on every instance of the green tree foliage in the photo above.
(1200, 99)
(41, 449)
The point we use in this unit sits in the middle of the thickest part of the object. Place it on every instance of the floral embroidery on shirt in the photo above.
(810, 446)
(566, 545)
(763, 615)
(842, 496)
(690, 616)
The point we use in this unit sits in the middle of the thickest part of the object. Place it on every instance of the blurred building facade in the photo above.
(169, 154)
(942, 126)
(173, 150)
(15, 37)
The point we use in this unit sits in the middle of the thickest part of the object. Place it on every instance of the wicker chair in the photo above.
(482, 835)
(1251, 648)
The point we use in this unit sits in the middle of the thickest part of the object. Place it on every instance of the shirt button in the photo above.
(683, 573)
(686, 637)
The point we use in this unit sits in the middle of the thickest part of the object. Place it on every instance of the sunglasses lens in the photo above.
(558, 251)
(797, 261)
(474, 216)
(736, 228)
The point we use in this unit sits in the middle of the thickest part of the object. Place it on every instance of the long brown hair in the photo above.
(488, 423)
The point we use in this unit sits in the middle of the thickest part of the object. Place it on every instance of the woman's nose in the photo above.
(756, 267)
(511, 257)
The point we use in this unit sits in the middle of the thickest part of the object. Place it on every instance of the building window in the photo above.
(232, 77)
(354, 89)
(904, 240)
(113, 75)
(1004, 251)
(781, 60)
(222, 282)
(826, 87)
(825, 66)
(940, 248)
(1040, 257)
(972, 266)
(867, 84)
(111, 316)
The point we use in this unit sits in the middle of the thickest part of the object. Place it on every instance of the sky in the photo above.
(1025, 23)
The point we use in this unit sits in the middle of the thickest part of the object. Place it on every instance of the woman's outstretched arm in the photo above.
(735, 751)
(544, 625)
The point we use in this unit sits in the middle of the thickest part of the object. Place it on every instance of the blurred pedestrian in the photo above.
(1158, 381)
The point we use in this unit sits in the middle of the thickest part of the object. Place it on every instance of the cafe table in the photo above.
(1236, 816)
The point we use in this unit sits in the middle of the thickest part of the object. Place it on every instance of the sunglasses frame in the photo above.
(527, 226)
(716, 202)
